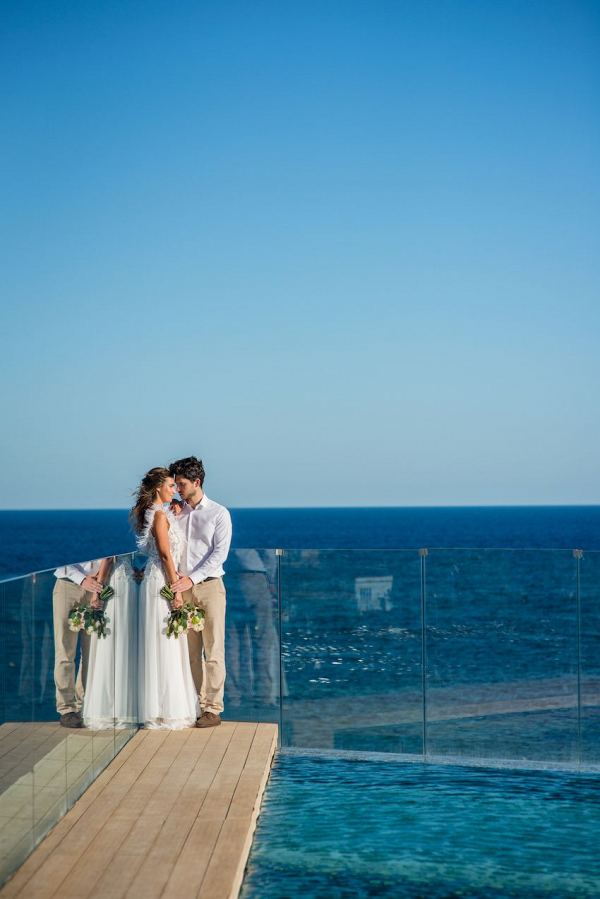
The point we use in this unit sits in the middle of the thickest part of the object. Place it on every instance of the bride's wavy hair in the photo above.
(146, 495)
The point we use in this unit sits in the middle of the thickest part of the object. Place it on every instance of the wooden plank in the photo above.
(225, 872)
(163, 855)
(188, 874)
(132, 852)
(22, 735)
(7, 728)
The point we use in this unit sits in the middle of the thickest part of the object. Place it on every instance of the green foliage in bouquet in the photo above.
(106, 593)
(181, 620)
(92, 621)
(95, 622)
(76, 617)
(178, 622)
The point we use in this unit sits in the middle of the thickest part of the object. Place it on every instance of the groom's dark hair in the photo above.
(190, 468)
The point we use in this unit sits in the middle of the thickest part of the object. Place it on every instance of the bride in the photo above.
(167, 697)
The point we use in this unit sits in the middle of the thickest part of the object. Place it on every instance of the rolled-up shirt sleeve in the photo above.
(221, 543)
(78, 572)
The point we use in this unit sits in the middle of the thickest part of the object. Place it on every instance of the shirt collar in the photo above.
(201, 505)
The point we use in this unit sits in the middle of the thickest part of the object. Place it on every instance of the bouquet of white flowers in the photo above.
(196, 619)
(92, 621)
(181, 620)
(76, 617)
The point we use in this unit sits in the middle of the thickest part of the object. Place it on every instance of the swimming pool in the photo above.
(341, 828)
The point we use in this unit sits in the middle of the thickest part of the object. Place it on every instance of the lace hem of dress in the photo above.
(168, 723)
(108, 723)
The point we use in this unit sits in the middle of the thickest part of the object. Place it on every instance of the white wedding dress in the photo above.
(110, 691)
(167, 697)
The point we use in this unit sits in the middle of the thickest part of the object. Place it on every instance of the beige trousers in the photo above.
(207, 648)
(69, 689)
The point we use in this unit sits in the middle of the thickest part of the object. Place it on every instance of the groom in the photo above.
(207, 529)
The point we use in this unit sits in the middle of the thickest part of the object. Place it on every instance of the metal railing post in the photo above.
(279, 553)
(423, 555)
(578, 554)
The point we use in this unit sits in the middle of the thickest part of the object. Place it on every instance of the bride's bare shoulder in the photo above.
(160, 520)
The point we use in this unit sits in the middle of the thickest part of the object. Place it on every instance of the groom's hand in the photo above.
(91, 585)
(183, 584)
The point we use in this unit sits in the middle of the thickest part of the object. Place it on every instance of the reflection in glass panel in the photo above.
(49, 773)
(20, 738)
(501, 654)
(110, 704)
(111, 695)
(252, 636)
(71, 604)
(124, 581)
(351, 625)
(105, 669)
(590, 657)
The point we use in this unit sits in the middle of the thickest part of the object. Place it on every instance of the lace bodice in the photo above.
(147, 544)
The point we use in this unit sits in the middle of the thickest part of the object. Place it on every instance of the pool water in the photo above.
(337, 828)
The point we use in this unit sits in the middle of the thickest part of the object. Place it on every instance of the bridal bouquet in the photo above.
(180, 621)
(92, 621)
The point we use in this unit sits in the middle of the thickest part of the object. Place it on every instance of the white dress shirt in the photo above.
(79, 571)
(207, 530)
(253, 561)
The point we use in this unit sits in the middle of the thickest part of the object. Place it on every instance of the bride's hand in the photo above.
(177, 602)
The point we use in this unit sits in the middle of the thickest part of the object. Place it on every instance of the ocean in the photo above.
(37, 540)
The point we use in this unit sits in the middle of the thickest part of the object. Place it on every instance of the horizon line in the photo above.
(333, 508)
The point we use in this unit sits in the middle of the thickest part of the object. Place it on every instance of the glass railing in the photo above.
(501, 655)
(440, 653)
(252, 686)
(352, 650)
(456, 653)
(48, 669)
(589, 656)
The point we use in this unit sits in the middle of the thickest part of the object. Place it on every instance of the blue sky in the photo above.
(347, 252)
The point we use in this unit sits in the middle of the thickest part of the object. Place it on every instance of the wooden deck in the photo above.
(172, 816)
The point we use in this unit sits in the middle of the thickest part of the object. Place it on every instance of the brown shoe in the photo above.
(208, 719)
(71, 719)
